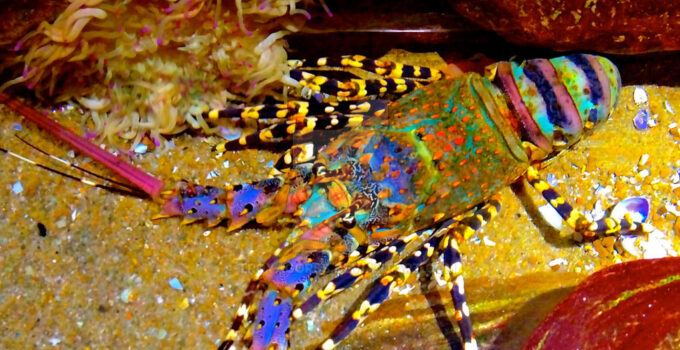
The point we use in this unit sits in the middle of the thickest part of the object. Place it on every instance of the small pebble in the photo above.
(552, 180)
(488, 242)
(556, 264)
(176, 284)
(140, 148)
(643, 159)
(641, 120)
(630, 245)
(640, 95)
(125, 295)
(17, 187)
(42, 230)
(61, 222)
(162, 333)
(230, 134)
(184, 303)
(669, 109)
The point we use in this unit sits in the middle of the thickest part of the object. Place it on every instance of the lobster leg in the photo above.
(453, 267)
(287, 129)
(382, 289)
(354, 89)
(450, 257)
(453, 275)
(384, 68)
(362, 269)
(296, 109)
(396, 79)
(590, 230)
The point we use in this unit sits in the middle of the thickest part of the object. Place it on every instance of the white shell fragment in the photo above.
(640, 95)
(638, 208)
(558, 263)
(669, 109)
(140, 148)
(641, 120)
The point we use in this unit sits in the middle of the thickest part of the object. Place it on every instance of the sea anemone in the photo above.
(152, 68)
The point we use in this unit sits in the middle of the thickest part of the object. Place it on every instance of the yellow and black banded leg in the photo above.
(297, 109)
(361, 269)
(453, 275)
(607, 226)
(382, 254)
(296, 155)
(287, 130)
(384, 68)
(246, 311)
(453, 266)
(382, 289)
(476, 219)
(354, 89)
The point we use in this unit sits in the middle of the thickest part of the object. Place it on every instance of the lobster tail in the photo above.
(557, 101)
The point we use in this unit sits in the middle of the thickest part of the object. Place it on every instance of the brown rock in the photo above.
(18, 17)
(602, 25)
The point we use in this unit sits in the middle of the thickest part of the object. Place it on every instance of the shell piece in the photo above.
(641, 120)
(638, 208)
(640, 95)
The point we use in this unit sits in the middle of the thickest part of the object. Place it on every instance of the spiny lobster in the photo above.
(415, 175)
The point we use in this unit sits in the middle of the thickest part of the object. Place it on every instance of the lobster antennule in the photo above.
(147, 183)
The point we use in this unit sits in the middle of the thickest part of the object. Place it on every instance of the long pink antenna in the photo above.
(147, 183)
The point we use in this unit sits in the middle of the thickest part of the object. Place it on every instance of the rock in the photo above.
(18, 17)
(602, 25)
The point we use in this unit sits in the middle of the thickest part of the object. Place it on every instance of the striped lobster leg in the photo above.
(396, 276)
(288, 130)
(444, 240)
(360, 270)
(383, 68)
(382, 289)
(453, 267)
(365, 267)
(289, 122)
(582, 226)
(396, 79)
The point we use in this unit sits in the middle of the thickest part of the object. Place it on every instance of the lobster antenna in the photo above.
(144, 181)
(125, 191)
(76, 166)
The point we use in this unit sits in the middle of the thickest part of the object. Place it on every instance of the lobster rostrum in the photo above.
(403, 183)
(415, 175)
